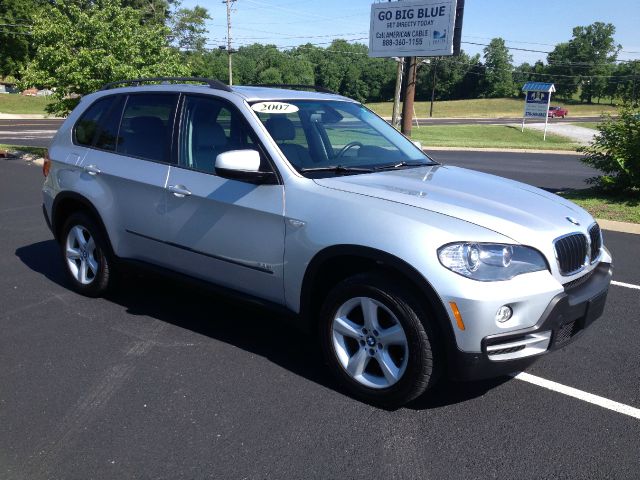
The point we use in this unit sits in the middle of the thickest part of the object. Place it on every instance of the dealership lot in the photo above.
(163, 381)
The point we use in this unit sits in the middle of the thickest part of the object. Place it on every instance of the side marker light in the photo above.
(456, 313)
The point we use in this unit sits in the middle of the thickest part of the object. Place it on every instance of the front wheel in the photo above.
(85, 256)
(377, 340)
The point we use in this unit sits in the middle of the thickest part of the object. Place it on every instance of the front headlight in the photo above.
(488, 262)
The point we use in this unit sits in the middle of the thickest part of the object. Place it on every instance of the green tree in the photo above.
(561, 71)
(615, 151)
(153, 11)
(498, 79)
(456, 78)
(584, 62)
(15, 35)
(530, 73)
(80, 49)
(188, 28)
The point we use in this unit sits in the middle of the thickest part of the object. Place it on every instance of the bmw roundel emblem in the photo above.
(573, 220)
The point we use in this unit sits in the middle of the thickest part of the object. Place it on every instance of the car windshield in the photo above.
(336, 138)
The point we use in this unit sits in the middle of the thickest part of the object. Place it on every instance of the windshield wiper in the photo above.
(402, 164)
(337, 169)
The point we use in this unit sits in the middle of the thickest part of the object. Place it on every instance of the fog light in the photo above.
(504, 314)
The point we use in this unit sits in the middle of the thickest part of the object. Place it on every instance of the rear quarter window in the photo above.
(87, 127)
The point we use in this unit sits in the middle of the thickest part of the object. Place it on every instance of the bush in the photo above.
(615, 151)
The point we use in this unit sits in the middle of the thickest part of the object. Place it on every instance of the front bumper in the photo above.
(565, 318)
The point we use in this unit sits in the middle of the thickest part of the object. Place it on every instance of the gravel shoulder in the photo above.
(581, 135)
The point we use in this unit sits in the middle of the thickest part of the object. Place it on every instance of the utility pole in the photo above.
(634, 101)
(433, 85)
(409, 83)
(395, 119)
(229, 50)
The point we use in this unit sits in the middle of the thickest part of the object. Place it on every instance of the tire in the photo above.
(353, 341)
(85, 256)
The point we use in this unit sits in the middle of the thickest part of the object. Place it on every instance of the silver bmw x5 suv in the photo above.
(405, 269)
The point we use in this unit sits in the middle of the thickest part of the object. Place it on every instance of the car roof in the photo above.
(248, 93)
(252, 94)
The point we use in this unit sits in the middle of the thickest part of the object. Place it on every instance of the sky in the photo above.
(530, 25)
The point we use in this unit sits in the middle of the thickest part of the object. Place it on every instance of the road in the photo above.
(163, 381)
(34, 133)
(38, 133)
(553, 172)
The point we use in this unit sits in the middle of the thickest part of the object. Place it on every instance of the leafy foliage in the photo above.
(498, 79)
(615, 151)
(456, 78)
(583, 63)
(15, 49)
(188, 29)
(80, 49)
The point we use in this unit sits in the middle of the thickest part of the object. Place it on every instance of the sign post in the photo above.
(537, 101)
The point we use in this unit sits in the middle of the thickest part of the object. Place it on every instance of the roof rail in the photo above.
(213, 83)
(296, 86)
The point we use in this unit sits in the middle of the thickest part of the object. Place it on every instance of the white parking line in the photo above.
(626, 285)
(579, 394)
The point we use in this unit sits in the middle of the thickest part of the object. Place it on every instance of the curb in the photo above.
(27, 116)
(621, 227)
(498, 150)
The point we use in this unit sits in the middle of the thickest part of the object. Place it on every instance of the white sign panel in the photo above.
(413, 28)
(536, 105)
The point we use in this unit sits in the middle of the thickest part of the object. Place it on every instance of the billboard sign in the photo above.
(412, 28)
(537, 104)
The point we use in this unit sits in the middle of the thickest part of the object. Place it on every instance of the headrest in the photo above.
(281, 128)
(147, 125)
(209, 134)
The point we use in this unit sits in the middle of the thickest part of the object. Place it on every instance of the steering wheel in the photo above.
(348, 146)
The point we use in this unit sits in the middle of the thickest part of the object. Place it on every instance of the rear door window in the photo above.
(147, 125)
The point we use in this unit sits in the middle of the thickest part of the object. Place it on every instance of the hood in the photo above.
(510, 208)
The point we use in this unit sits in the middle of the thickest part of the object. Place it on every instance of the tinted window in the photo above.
(145, 130)
(107, 133)
(86, 128)
(209, 127)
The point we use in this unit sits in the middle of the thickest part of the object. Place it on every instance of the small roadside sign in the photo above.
(537, 104)
(537, 101)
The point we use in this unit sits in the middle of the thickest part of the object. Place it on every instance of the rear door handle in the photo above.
(179, 191)
(92, 170)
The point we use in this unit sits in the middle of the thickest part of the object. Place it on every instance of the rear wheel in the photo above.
(85, 255)
(376, 340)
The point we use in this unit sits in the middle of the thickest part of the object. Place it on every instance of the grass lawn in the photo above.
(13, 103)
(487, 108)
(488, 136)
(40, 151)
(621, 208)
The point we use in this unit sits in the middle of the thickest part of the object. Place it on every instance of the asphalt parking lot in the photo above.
(163, 381)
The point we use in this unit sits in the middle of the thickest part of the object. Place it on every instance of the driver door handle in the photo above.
(179, 191)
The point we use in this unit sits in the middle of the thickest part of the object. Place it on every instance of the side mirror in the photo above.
(243, 165)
